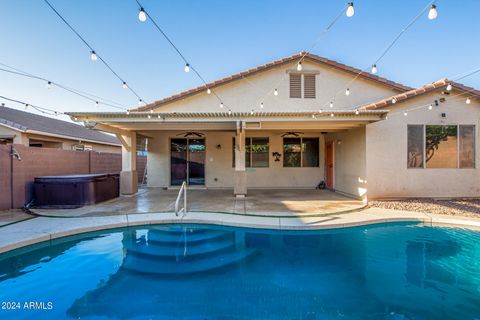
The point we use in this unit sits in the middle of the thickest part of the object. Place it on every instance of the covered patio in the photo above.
(259, 202)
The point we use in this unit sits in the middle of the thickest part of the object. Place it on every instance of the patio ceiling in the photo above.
(338, 120)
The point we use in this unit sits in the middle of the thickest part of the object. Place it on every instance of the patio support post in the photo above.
(128, 175)
(240, 176)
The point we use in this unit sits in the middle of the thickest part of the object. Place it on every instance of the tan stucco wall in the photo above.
(242, 95)
(386, 145)
(349, 162)
(219, 162)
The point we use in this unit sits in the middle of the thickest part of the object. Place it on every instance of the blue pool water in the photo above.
(390, 271)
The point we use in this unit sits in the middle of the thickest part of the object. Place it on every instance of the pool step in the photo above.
(162, 250)
(148, 265)
(191, 237)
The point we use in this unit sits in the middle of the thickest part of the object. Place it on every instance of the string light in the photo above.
(350, 11)
(320, 111)
(140, 102)
(394, 100)
(149, 117)
(432, 13)
(313, 116)
(468, 101)
(96, 102)
(93, 56)
(449, 87)
(26, 106)
(299, 66)
(275, 92)
(331, 104)
(229, 112)
(251, 112)
(357, 112)
(261, 105)
(405, 114)
(142, 16)
(221, 105)
(347, 92)
(49, 84)
(187, 68)
(158, 116)
(374, 69)
(209, 91)
(331, 114)
(124, 85)
(128, 112)
(430, 107)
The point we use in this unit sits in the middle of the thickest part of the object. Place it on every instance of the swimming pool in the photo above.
(388, 271)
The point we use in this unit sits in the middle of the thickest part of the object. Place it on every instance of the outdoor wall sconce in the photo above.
(276, 155)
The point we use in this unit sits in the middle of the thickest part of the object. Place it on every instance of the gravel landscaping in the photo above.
(460, 207)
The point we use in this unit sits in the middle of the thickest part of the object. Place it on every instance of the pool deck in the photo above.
(41, 229)
(259, 202)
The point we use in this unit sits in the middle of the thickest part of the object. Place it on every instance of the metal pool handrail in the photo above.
(183, 189)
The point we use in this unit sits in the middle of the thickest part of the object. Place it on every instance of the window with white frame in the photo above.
(441, 146)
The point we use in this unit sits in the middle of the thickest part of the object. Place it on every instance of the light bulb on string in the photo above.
(93, 56)
(251, 112)
(394, 100)
(187, 68)
(432, 13)
(405, 114)
(430, 107)
(332, 115)
(347, 92)
(468, 101)
(158, 116)
(320, 111)
(261, 105)
(124, 85)
(331, 104)
(26, 106)
(357, 112)
(128, 112)
(275, 92)
(96, 103)
(299, 66)
(142, 16)
(350, 10)
(229, 112)
(149, 117)
(209, 91)
(49, 85)
(139, 102)
(449, 87)
(374, 69)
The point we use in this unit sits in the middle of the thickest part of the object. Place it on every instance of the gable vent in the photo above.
(309, 86)
(295, 85)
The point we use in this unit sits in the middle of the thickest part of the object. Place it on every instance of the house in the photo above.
(33, 130)
(281, 127)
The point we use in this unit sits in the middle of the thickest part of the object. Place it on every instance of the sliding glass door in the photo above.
(187, 161)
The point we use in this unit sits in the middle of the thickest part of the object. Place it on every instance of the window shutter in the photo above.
(309, 86)
(295, 85)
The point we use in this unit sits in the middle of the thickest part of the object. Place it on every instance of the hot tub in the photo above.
(73, 191)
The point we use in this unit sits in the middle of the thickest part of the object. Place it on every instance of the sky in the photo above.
(220, 38)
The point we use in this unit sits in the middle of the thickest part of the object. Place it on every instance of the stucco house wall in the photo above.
(219, 170)
(248, 93)
(350, 162)
(386, 151)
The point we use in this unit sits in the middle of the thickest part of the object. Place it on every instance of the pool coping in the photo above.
(42, 229)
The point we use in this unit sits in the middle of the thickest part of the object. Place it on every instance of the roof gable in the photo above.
(308, 56)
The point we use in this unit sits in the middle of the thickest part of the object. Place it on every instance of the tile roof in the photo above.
(437, 85)
(238, 76)
(25, 121)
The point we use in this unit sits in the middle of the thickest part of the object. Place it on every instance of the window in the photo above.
(300, 152)
(441, 146)
(256, 152)
(295, 85)
(467, 147)
(309, 86)
(415, 147)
